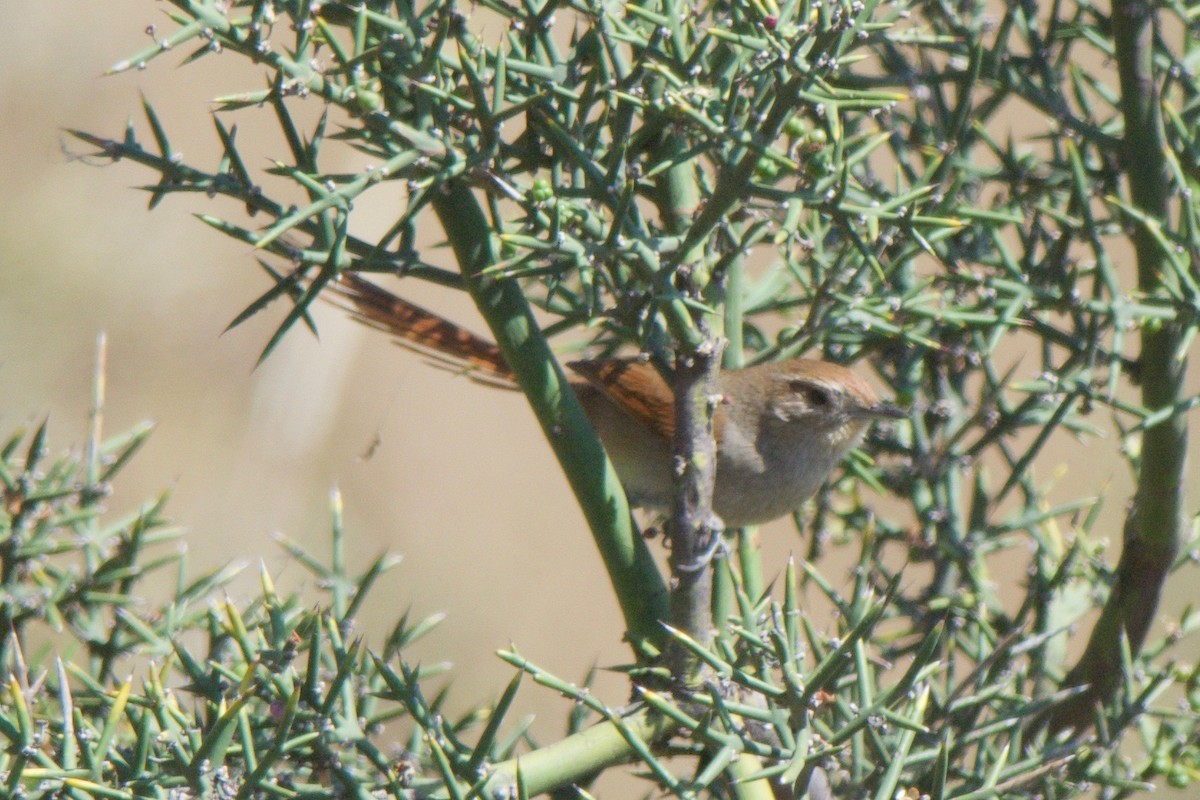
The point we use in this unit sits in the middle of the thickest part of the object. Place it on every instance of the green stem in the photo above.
(1155, 524)
(749, 547)
(579, 756)
(733, 179)
(744, 766)
(631, 568)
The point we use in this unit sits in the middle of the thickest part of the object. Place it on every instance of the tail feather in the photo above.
(421, 330)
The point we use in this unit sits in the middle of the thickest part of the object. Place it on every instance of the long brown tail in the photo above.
(421, 330)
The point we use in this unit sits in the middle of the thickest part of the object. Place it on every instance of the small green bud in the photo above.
(795, 127)
(766, 170)
(542, 190)
(818, 165)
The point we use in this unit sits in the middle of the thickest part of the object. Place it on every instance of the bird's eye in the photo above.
(815, 395)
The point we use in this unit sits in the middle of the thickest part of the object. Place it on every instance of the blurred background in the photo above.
(454, 477)
(460, 481)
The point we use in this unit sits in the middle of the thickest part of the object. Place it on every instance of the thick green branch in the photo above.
(580, 756)
(630, 566)
(1154, 527)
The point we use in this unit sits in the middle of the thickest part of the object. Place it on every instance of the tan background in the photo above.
(462, 484)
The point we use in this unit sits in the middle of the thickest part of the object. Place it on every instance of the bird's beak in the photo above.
(883, 411)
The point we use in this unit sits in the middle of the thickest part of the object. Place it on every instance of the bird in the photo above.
(780, 427)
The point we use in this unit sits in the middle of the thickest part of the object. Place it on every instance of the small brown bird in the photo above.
(780, 429)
